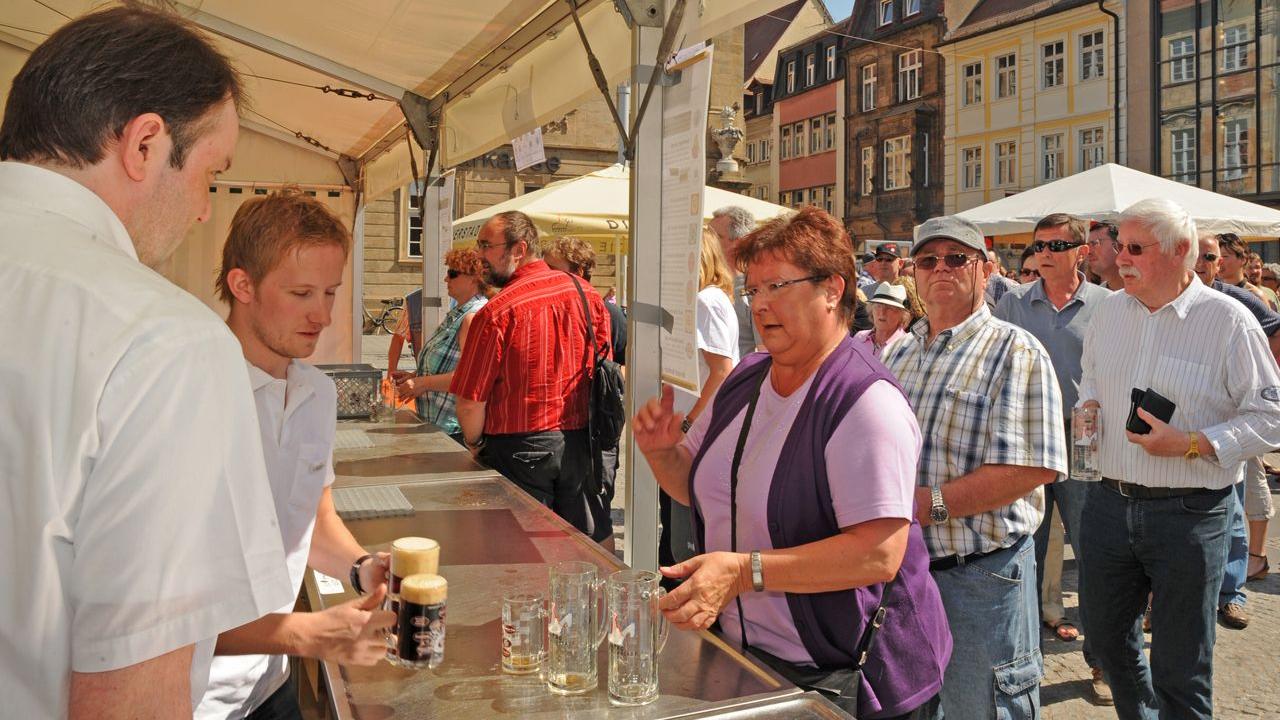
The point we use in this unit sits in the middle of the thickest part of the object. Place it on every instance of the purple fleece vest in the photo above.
(913, 647)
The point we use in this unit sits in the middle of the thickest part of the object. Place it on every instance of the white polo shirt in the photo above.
(297, 417)
(134, 515)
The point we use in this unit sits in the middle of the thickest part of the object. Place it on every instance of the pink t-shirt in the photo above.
(871, 466)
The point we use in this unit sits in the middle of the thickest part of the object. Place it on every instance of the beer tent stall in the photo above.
(350, 100)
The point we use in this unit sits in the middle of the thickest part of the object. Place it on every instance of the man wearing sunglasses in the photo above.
(1057, 310)
(1159, 523)
(1102, 255)
(985, 396)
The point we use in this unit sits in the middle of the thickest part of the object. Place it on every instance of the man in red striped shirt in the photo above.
(523, 379)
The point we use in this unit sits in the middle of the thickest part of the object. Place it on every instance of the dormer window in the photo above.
(886, 12)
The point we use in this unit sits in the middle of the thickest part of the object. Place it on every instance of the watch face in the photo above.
(939, 514)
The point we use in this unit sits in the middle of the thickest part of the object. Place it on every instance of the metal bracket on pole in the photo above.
(422, 121)
(350, 170)
(432, 302)
(647, 13)
(652, 315)
(664, 79)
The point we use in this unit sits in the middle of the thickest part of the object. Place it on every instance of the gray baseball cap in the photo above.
(949, 227)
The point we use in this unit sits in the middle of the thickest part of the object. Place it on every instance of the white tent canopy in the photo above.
(1103, 192)
(594, 205)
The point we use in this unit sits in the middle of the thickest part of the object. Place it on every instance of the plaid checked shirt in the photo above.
(984, 393)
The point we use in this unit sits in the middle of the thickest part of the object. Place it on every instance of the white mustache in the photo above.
(1130, 272)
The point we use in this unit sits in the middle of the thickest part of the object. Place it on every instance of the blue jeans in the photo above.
(1070, 496)
(996, 665)
(1233, 575)
(1174, 548)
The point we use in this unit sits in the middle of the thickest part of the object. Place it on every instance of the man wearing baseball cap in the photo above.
(989, 406)
(886, 265)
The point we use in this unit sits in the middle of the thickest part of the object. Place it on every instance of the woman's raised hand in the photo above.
(657, 426)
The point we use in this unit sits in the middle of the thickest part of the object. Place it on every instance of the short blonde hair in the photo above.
(714, 269)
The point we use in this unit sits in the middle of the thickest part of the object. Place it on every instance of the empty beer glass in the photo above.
(575, 627)
(1086, 443)
(524, 633)
(637, 633)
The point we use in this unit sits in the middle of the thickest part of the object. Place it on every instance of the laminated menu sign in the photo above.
(684, 132)
(529, 149)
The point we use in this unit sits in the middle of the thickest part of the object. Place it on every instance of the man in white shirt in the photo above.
(1159, 522)
(732, 223)
(137, 524)
(281, 267)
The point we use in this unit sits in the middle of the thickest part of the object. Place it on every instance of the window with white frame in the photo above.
(791, 76)
(764, 149)
(829, 198)
(785, 151)
(868, 87)
(909, 75)
(815, 198)
(797, 199)
(1051, 157)
(1182, 59)
(1093, 148)
(1051, 65)
(971, 168)
(1182, 155)
(1235, 48)
(897, 162)
(830, 131)
(809, 72)
(1093, 57)
(797, 139)
(412, 209)
(1006, 163)
(886, 12)
(751, 152)
(1235, 148)
(816, 142)
(972, 76)
(1006, 76)
(910, 7)
(868, 170)
(831, 61)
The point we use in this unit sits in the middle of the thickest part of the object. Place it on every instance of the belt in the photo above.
(951, 561)
(1142, 492)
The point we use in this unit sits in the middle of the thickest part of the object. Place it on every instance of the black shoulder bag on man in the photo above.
(605, 412)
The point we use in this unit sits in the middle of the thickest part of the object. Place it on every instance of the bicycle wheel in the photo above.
(391, 318)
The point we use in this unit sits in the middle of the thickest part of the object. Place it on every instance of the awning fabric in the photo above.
(1103, 192)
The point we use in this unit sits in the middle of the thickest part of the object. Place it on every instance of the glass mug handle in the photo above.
(664, 627)
(602, 625)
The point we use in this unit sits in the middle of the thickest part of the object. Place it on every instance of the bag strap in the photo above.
(863, 649)
(591, 333)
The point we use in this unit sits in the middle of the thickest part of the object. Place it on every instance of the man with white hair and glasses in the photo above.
(732, 223)
(1179, 418)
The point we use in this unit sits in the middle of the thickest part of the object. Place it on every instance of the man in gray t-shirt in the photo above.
(730, 224)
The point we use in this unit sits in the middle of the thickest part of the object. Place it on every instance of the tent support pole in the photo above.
(644, 361)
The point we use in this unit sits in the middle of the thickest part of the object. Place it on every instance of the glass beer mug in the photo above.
(1086, 443)
(575, 628)
(637, 633)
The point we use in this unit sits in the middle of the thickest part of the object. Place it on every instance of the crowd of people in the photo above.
(861, 494)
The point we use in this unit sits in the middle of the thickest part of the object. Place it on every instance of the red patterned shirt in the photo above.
(526, 353)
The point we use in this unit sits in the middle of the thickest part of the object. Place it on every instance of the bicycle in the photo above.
(387, 320)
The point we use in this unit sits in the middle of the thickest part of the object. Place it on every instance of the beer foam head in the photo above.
(424, 589)
(414, 555)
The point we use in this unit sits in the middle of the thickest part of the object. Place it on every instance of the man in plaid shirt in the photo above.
(990, 413)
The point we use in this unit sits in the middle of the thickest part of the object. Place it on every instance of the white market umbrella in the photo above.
(595, 205)
(1103, 192)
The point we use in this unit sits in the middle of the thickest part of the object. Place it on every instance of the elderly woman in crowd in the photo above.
(891, 315)
(798, 551)
(430, 386)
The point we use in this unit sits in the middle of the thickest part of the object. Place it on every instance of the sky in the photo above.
(840, 9)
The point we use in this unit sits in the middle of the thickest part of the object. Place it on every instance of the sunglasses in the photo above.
(1030, 272)
(1268, 278)
(954, 261)
(1054, 245)
(453, 274)
(1208, 257)
(1134, 248)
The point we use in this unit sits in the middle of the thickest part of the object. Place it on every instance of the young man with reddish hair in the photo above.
(281, 268)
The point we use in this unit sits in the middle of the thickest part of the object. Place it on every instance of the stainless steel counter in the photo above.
(494, 538)
(408, 452)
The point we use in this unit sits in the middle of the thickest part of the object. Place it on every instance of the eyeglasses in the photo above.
(769, 289)
(1134, 248)
(1268, 278)
(453, 274)
(486, 245)
(1054, 245)
(954, 261)
(1208, 257)
(1025, 272)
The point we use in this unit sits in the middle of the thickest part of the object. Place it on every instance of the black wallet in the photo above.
(1151, 401)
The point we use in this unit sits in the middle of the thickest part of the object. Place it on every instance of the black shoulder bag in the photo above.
(605, 412)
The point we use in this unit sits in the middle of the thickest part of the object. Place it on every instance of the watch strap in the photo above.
(757, 571)
(354, 576)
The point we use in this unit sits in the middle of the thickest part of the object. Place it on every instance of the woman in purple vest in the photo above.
(801, 477)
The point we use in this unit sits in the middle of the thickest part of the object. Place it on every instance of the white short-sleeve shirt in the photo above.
(136, 517)
(717, 333)
(297, 417)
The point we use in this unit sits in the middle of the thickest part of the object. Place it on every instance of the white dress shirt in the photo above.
(1207, 354)
(297, 416)
(135, 517)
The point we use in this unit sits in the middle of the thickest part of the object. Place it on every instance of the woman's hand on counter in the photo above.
(711, 582)
(410, 387)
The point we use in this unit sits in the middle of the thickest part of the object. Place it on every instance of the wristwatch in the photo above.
(685, 425)
(354, 576)
(938, 509)
(757, 571)
(1193, 451)
(477, 445)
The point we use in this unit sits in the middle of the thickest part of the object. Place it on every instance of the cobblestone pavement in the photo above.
(1246, 678)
